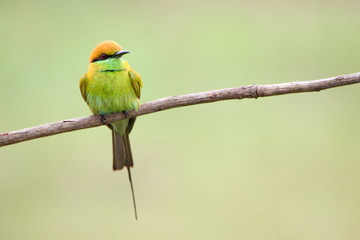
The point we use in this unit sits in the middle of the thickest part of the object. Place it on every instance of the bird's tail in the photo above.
(122, 156)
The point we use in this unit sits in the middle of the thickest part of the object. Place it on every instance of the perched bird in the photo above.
(111, 86)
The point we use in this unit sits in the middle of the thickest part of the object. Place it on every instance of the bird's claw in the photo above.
(103, 119)
(126, 114)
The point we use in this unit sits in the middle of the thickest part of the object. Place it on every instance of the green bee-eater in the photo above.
(111, 86)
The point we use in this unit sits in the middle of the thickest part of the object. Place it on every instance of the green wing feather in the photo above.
(135, 82)
(83, 86)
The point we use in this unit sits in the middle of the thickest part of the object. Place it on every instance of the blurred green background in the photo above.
(284, 167)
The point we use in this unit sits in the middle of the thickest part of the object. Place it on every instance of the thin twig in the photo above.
(250, 91)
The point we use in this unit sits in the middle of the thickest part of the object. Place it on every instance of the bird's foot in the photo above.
(103, 119)
(126, 114)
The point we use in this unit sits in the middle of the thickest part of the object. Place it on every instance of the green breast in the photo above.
(111, 92)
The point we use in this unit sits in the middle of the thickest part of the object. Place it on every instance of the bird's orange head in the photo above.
(105, 50)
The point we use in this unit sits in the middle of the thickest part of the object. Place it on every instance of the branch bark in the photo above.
(250, 91)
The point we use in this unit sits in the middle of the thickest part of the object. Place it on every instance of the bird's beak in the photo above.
(120, 53)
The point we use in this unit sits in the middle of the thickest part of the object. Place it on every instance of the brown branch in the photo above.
(250, 91)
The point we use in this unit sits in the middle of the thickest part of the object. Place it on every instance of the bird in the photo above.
(111, 86)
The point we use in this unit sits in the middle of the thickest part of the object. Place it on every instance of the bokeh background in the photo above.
(284, 167)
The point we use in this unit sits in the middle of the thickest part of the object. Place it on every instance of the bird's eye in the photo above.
(103, 56)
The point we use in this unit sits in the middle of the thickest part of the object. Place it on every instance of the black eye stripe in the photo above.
(102, 57)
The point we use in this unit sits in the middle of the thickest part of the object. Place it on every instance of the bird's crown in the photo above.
(103, 50)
